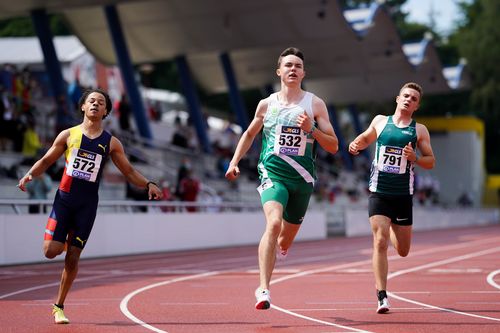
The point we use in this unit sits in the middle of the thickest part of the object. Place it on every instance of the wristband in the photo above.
(149, 183)
(313, 128)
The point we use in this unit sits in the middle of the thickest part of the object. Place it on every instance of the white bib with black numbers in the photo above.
(290, 140)
(83, 164)
(391, 160)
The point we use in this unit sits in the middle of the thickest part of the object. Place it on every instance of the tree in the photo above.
(477, 38)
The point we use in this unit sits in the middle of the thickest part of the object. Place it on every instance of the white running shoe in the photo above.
(263, 297)
(383, 305)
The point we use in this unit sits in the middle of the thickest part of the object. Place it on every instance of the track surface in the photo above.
(450, 282)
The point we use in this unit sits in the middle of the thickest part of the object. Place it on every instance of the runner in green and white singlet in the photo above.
(391, 182)
(392, 173)
(291, 120)
(287, 151)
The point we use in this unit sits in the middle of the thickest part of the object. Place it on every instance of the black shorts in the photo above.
(71, 214)
(399, 208)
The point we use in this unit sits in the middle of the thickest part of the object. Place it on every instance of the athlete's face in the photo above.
(291, 69)
(94, 106)
(408, 100)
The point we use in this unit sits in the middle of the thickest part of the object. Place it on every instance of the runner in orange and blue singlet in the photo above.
(86, 148)
(76, 200)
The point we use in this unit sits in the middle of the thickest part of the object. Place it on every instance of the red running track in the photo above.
(450, 282)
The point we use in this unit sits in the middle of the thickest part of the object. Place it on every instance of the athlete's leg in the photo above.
(273, 211)
(401, 238)
(380, 228)
(69, 273)
(287, 234)
(52, 248)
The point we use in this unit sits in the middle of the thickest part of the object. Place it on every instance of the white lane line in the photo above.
(50, 285)
(491, 278)
(369, 261)
(351, 329)
(439, 263)
(124, 303)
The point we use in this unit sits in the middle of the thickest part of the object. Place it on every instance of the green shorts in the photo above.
(294, 196)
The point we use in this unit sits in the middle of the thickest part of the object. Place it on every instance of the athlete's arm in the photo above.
(55, 151)
(367, 137)
(324, 134)
(133, 176)
(426, 159)
(246, 140)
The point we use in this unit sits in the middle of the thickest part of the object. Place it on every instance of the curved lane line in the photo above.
(54, 284)
(491, 280)
(317, 320)
(124, 303)
(126, 312)
(439, 263)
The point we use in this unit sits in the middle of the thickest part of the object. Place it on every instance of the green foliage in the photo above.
(477, 39)
(23, 27)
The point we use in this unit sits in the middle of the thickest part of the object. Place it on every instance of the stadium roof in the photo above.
(351, 56)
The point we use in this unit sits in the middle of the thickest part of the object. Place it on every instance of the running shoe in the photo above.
(281, 254)
(263, 297)
(383, 302)
(59, 316)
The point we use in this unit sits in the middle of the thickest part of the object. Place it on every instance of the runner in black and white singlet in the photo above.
(86, 148)
(398, 138)
(291, 121)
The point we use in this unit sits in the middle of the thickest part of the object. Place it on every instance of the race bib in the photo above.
(83, 164)
(264, 186)
(290, 140)
(391, 160)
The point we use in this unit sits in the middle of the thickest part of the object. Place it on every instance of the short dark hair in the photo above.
(86, 93)
(415, 86)
(290, 50)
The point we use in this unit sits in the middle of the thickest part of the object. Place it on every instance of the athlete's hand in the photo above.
(23, 181)
(304, 122)
(354, 148)
(410, 153)
(232, 172)
(154, 192)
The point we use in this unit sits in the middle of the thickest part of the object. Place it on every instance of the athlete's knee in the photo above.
(380, 242)
(274, 226)
(51, 251)
(71, 261)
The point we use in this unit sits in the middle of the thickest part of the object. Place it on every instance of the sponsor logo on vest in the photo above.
(290, 130)
(80, 174)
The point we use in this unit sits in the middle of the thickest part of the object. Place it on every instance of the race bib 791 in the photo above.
(391, 160)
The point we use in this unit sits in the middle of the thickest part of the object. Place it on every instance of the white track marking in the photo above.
(42, 286)
(491, 280)
(351, 329)
(439, 263)
(126, 299)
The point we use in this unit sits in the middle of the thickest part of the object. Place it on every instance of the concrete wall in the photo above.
(21, 236)
(356, 220)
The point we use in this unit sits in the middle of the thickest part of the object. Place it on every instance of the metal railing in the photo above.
(20, 206)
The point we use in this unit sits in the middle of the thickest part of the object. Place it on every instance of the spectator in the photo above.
(37, 190)
(189, 189)
(124, 111)
(31, 143)
(181, 173)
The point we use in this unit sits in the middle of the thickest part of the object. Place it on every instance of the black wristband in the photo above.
(149, 183)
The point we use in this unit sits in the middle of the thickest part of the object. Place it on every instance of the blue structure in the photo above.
(234, 93)
(353, 111)
(52, 65)
(346, 157)
(189, 89)
(127, 71)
